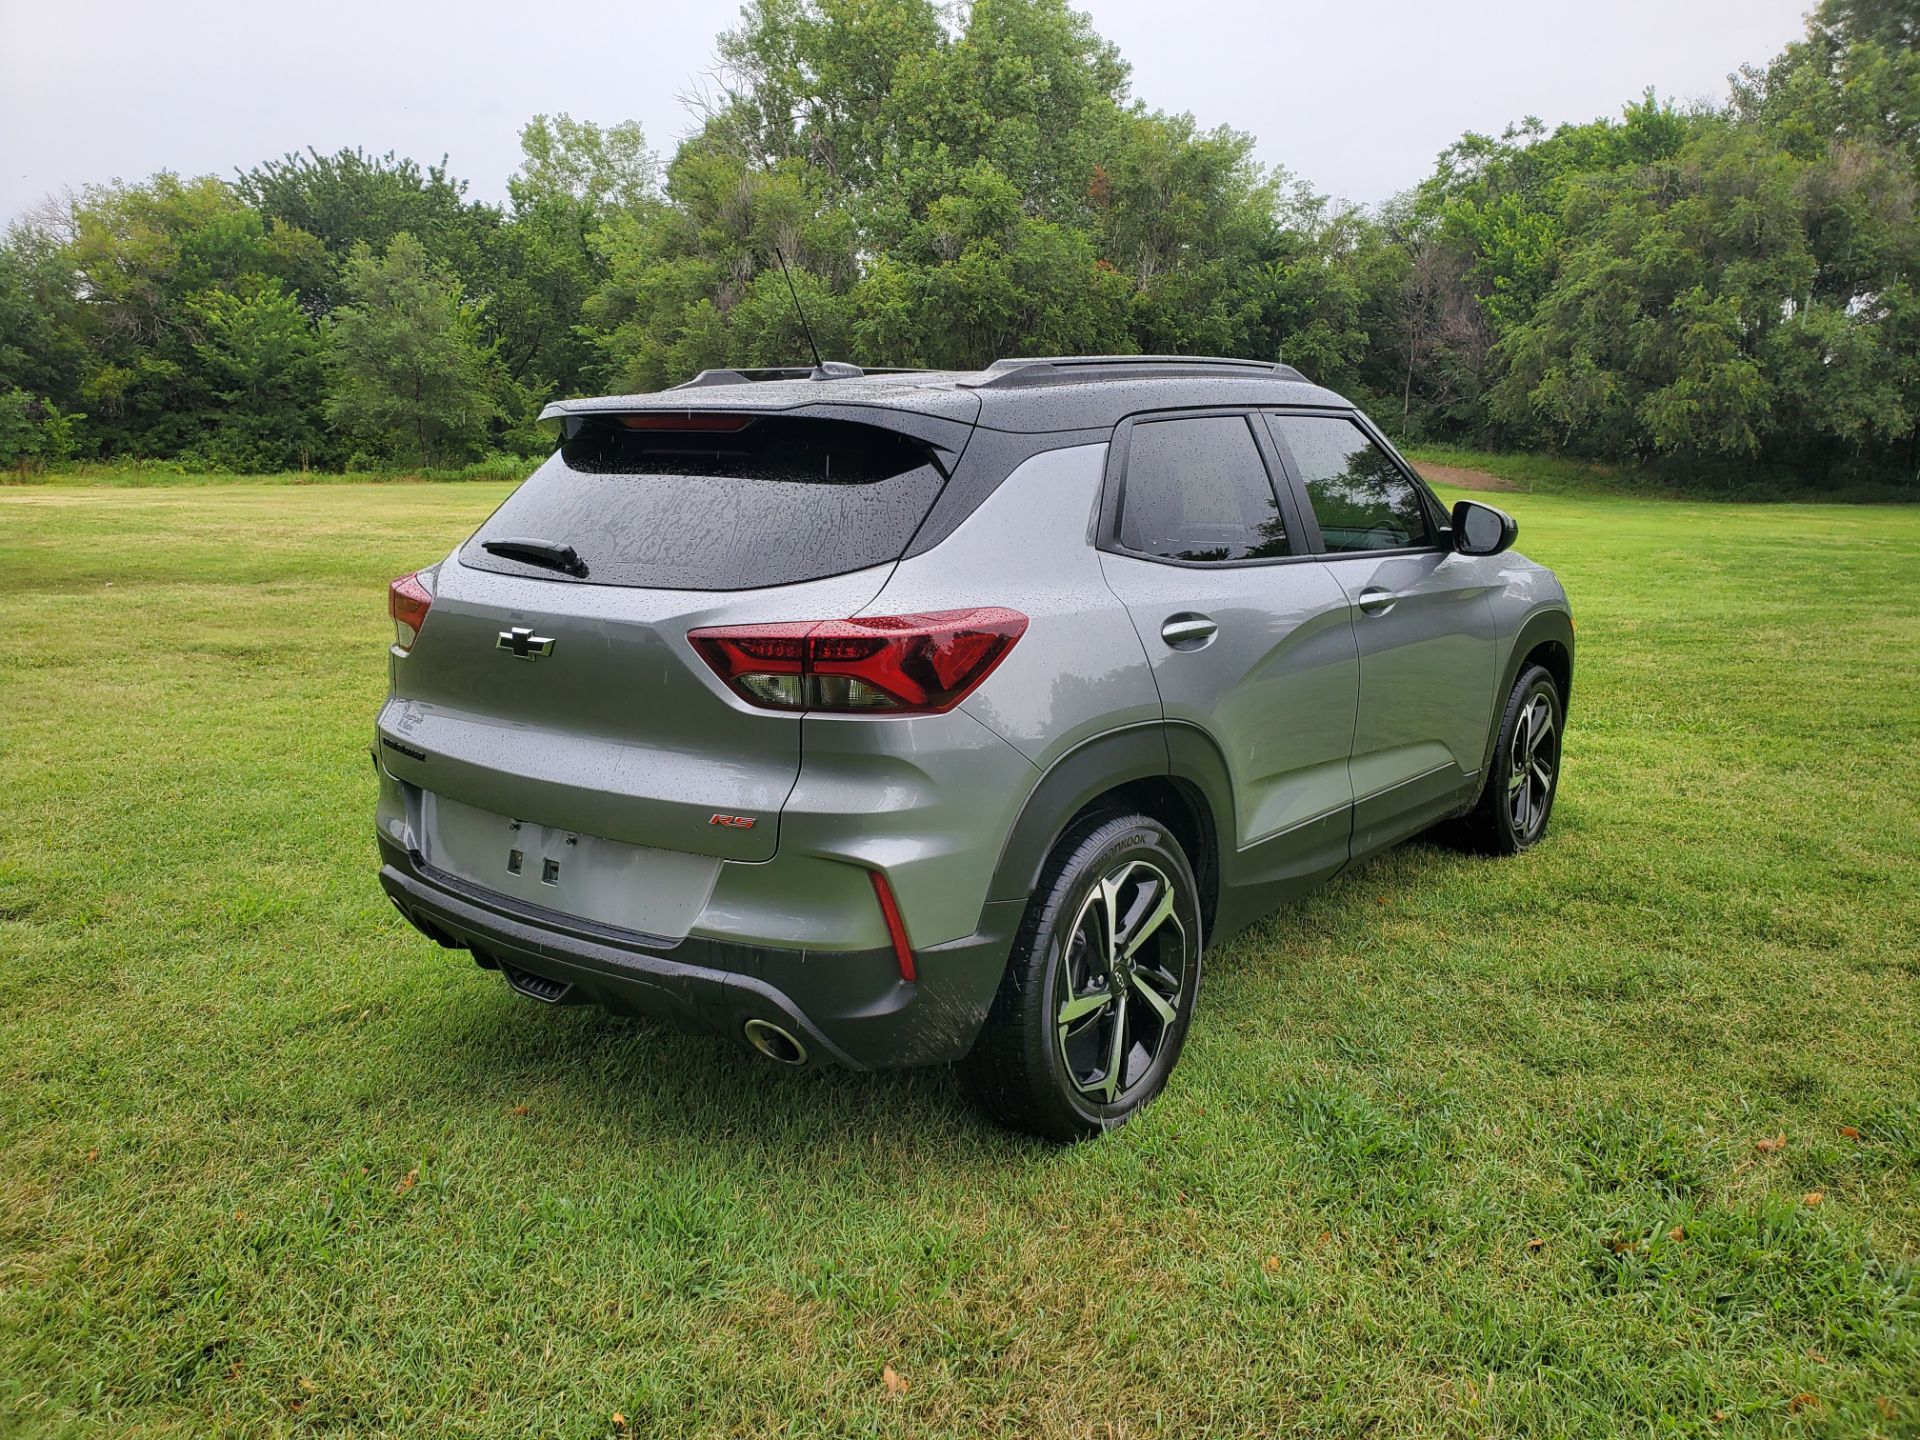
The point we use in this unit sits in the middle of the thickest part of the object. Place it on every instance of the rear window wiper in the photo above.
(548, 553)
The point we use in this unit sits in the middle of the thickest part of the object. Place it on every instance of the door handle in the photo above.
(1374, 601)
(1188, 630)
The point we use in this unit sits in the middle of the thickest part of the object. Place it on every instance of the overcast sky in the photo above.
(1356, 96)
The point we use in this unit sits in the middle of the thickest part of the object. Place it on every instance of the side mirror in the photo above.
(1482, 530)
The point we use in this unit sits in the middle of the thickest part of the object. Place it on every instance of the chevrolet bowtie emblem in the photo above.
(523, 644)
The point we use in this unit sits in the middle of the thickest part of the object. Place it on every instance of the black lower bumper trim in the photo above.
(848, 1007)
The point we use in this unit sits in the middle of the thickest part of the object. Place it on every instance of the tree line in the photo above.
(1727, 287)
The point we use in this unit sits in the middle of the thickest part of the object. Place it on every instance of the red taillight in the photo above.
(892, 664)
(896, 927)
(408, 601)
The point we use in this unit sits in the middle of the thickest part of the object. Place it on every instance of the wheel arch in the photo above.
(1545, 639)
(1173, 773)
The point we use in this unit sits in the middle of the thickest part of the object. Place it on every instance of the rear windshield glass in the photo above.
(773, 502)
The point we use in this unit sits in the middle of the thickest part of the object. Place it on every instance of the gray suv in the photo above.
(919, 717)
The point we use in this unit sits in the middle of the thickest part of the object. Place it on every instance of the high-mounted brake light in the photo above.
(408, 600)
(880, 665)
(687, 420)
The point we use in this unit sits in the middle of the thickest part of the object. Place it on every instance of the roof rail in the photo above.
(825, 370)
(1066, 369)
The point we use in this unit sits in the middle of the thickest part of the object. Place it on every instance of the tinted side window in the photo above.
(1360, 497)
(1198, 490)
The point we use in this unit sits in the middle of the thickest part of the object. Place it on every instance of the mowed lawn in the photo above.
(1622, 1136)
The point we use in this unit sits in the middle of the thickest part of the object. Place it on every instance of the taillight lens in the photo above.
(408, 600)
(891, 664)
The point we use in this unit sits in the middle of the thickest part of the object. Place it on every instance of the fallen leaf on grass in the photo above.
(1271, 1264)
(518, 1110)
(1814, 1197)
(408, 1181)
(93, 1154)
(890, 1378)
(1767, 1147)
(1805, 1400)
(1678, 1232)
(1816, 1357)
(1850, 1132)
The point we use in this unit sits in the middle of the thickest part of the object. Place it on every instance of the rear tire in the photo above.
(1517, 799)
(1116, 914)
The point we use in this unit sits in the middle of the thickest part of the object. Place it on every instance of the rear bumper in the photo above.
(850, 1007)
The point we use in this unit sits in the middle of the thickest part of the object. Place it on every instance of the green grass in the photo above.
(1543, 474)
(155, 474)
(1457, 1147)
(1727, 481)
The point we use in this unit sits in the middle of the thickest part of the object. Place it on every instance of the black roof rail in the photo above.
(1066, 369)
(825, 370)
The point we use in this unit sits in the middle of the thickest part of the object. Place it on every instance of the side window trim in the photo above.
(1436, 516)
(1113, 490)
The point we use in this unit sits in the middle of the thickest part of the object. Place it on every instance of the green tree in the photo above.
(264, 362)
(544, 264)
(148, 261)
(978, 278)
(581, 165)
(43, 347)
(34, 431)
(411, 376)
(352, 198)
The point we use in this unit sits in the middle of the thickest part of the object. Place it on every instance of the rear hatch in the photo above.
(569, 698)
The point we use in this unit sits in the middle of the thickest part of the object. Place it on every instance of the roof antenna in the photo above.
(817, 363)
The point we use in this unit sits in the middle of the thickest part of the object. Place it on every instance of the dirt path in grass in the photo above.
(1460, 478)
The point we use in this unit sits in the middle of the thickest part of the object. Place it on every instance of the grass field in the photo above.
(1622, 1136)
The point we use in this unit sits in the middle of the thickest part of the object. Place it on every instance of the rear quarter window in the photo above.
(775, 501)
(1197, 491)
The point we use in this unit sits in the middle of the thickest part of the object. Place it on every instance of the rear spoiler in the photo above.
(941, 418)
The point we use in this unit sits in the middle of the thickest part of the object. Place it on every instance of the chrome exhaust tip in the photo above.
(775, 1043)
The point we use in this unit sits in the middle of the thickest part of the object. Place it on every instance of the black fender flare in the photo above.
(1156, 750)
(1542, 627)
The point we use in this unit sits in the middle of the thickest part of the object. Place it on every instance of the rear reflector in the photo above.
(877, 665)
(896, 927)
(408, 601)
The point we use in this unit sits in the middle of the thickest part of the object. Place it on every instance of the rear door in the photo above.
(1248, 635)
(575, 703)
(1423, 618)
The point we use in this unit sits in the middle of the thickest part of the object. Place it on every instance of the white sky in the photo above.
(1356, 96)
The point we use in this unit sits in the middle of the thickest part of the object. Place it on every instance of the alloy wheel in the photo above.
(1118, 989)
(1536, 760)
